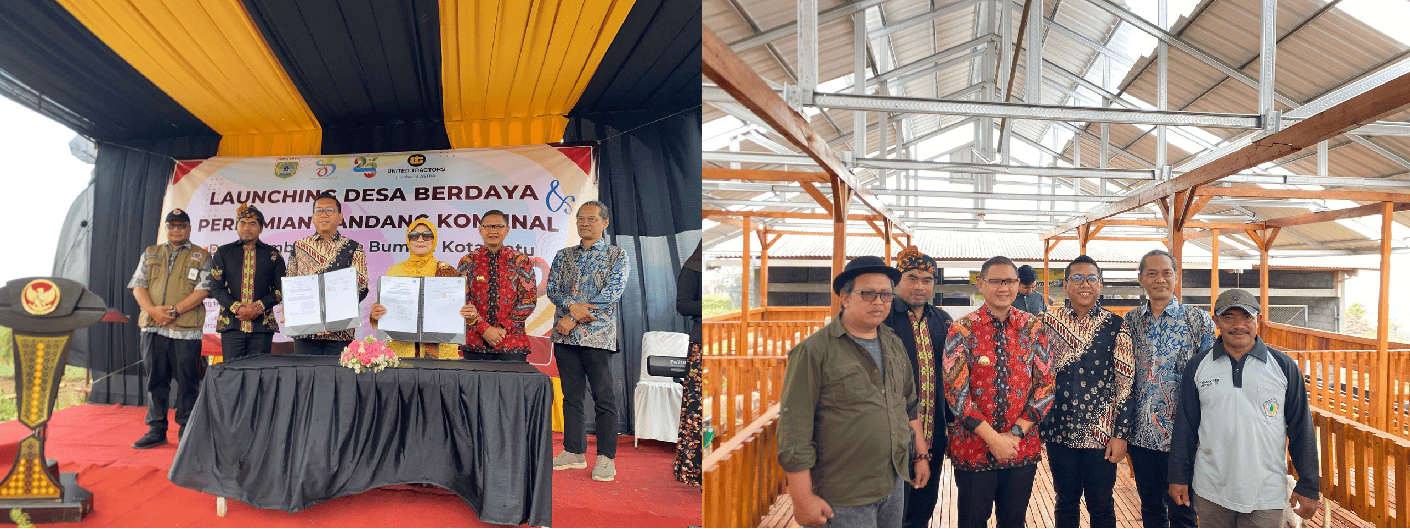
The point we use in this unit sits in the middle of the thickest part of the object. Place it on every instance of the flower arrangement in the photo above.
(369, 354)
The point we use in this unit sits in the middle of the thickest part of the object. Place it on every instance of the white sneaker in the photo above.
(604, 470)
(566, 460)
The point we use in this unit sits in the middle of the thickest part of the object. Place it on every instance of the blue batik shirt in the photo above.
(596, 276)
(1162, 345)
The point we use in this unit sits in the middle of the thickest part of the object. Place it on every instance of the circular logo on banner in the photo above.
(40, 297)
(1270, 407)
(286, 169)
(416, 160)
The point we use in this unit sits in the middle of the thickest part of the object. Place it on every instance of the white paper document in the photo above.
(340, 296)
(302, 305)
(442, 299)
(401, 297)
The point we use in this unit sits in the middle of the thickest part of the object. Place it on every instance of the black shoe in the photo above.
(153, 438)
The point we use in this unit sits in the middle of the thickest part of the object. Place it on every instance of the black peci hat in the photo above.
(866, 264)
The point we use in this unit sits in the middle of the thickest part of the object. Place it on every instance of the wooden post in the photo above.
(1382, 388)
(1047, 249)
(841, 195)
(887, 235)
(1082, 239)
(1213, 268)
(744, 275)
(764, 268)
(1177, 247)
(1263, 282)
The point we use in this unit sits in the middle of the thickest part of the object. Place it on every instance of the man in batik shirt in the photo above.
(499, 282)
(999, 382)
(1165, 335)
(245, 278)
(1090, 420)
(584, 284)
(922, 328)
(327, 251)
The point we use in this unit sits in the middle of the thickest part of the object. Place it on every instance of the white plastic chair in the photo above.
(658, 399)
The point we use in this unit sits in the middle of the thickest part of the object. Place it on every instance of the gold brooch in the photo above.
(479, 278)
(984, 361)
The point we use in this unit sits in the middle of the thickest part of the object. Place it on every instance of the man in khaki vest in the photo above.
(171, 284)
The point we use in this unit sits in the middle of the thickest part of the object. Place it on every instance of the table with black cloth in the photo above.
(289, 431)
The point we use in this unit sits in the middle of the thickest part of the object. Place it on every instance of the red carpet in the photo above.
(130, 486)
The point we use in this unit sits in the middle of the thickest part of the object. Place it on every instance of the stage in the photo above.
(131, 488)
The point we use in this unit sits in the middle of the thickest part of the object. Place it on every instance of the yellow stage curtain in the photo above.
(512, 69)
(209, 57)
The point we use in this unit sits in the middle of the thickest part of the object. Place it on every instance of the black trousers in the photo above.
(1078, 472)
(920, 503)
(1153, 485)
(1006, 490)
(167, 359)
(235, 345)
(577, 367)
(309, 346)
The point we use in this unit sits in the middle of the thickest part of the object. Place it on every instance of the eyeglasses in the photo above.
(1002, 282)
(178, 226)
(494, 226)
(325, 211)
(420, 235)
(590, 219)
(1079, 278)
(872, 295)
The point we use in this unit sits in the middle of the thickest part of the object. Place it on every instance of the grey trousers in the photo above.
(885, 512)
(1214, 515)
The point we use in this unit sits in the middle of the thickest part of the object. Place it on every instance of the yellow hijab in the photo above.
(418, 265)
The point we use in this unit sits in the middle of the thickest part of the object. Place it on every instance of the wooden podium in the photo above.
(44, 312)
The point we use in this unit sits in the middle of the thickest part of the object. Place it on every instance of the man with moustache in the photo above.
(847, 425)
(500, 294)
(922, 328)
(171, 285)
(1165, 335)
(584, 283)
(1090, 420)
(245, 277)
(327, 251)
(999, 382)
(1243, 413)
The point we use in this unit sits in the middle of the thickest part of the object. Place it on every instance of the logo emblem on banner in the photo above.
(326, 167)
(416, 160)
(40, 297)
(367, 165)
(286, 169)
(564, 203)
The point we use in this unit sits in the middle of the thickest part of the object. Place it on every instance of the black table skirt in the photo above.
(286, 432)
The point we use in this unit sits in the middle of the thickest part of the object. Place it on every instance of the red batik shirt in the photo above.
(996, 371)
(502, 287)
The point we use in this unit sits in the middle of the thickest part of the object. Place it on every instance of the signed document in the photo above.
(422, 309)
(321, 303)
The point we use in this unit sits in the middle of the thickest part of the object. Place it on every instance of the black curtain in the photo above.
(130, 182)
(649, 176)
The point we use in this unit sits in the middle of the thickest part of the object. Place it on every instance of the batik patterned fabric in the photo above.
(597, 276)
(246, 275)
(502, 287)
(996, 371)
(315, 255)
(1162, 345)
(1093, 370)
(925, 353)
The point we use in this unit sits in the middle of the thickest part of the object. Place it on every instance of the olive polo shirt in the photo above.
(841, 419)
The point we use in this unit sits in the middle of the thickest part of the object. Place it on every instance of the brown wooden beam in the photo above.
(1365, 107)
(763, 175)
(1192, 224)
(709, 213)
(1326, 216)
(817, 195)
(1214, 268)
(1329, 194)
(723, 65)
(1382, 387)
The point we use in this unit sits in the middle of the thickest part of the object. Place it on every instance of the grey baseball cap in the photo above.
(1236, 297)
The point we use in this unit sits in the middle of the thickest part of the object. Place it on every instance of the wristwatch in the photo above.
(1017, 430)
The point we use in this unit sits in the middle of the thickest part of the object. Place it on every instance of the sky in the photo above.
(41, 183)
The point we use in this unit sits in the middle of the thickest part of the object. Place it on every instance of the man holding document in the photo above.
(325, 270)
(402, 299)
(500, 295)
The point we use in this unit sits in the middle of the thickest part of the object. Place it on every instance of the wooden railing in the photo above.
(1363, 469)
(1342, 383)
(768, 332)
(740, 389)
(1293, 338)
(742, 477)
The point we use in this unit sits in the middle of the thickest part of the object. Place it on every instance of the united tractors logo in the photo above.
(416, 160)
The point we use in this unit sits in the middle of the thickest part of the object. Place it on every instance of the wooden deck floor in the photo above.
(1040, 507)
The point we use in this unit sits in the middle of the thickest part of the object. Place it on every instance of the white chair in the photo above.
(658, 399)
